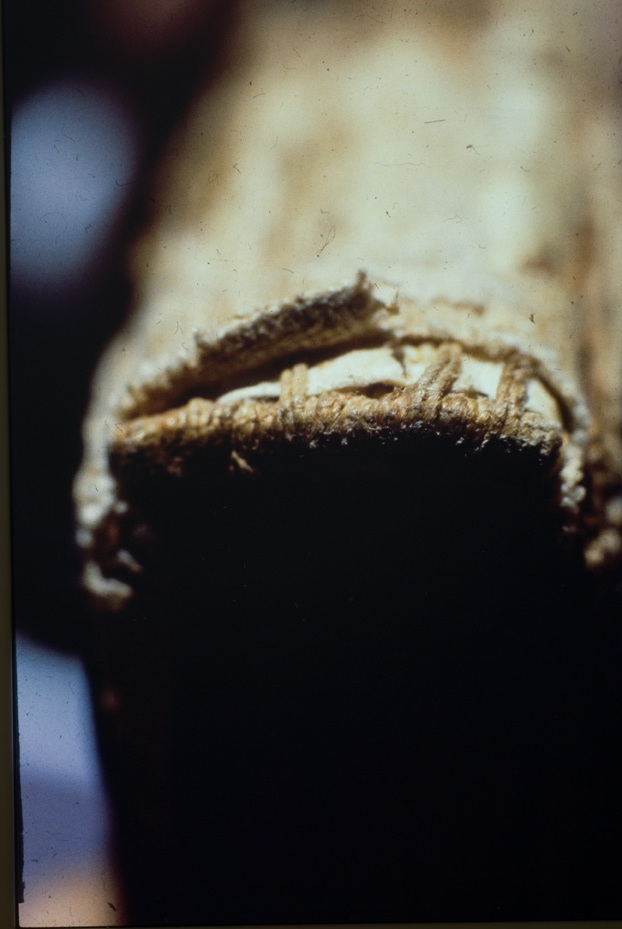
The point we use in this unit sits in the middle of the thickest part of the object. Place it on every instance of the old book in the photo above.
(362, 427)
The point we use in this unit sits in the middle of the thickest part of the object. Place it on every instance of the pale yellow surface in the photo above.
(87, 897)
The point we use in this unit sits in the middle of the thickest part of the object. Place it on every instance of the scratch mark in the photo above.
(329, 239)
(399, 164)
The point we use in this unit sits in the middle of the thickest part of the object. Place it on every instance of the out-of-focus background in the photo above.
(92, 88)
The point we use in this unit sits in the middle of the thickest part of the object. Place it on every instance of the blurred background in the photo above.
(92, 88)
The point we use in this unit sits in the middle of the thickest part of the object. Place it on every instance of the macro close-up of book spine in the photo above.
(350, 505)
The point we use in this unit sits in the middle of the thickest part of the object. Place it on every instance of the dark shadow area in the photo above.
(378, 690)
